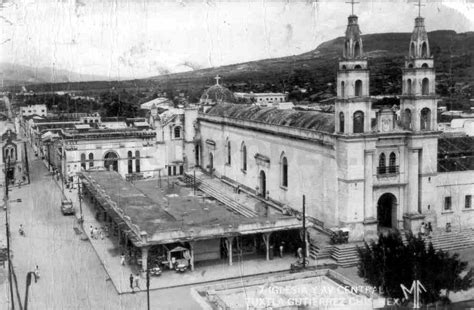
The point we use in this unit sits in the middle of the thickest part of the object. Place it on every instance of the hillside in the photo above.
(14, 74)
(315, 69)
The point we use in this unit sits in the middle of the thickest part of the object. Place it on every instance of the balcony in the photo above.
(387, 171)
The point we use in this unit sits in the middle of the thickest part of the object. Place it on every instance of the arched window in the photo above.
(358, 88)
(357, 50)
(137, 161)
(424, 50)
(284, 171)
(412, 49)
(409, 87)
(177, 132)
(357, 67)
(130, 162)
(425, 119)
(341, 122)
(382, 166)
(343, 67)
(346, 49)
(410, 66)
(91, 160)
(407, 118)
(229, 153)
(244, 157)
(83, 161)
(425, 86)
(392, 163)
(424, 65)
(343, 89)
(358, 122)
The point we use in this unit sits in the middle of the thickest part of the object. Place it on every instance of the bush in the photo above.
(339, 237)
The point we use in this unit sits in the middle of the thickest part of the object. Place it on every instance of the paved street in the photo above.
(72, 276)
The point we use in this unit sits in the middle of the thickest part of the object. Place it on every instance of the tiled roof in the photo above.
(300, 119)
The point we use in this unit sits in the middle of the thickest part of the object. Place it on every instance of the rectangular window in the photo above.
(447, 203)
(468, 201)
(181, 170)
(169, 170)
(174, 170)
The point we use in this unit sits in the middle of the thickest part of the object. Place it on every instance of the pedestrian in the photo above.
(422, 228)
(300, 253)
(429, 229)
(137, 281)
(37, 275)
(122, 259)
(281, 248)
(131, 282)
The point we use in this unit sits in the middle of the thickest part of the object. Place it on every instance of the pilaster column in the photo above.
(145, 257)
(191, 250)
(412, 186)
(229, 241)
(266, 240)
(368, 185)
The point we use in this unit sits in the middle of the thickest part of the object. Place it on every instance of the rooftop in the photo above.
(171, 211)
(318, 121)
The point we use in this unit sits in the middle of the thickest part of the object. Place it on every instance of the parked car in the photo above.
(67, 207)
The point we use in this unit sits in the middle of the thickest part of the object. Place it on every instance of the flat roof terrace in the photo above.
(173, 213)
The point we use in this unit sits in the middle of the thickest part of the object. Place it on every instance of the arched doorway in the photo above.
(387, 211)
(111, 161)
(263, 184)
(211, 163)
(197, 155)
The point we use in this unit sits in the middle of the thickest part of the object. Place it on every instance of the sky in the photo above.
(123, 39)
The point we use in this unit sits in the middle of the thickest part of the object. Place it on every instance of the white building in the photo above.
(34, 109)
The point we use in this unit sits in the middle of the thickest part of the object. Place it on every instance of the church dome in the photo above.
(217, 94)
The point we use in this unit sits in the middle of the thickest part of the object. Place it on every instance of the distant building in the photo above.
(263, 99)
(34, 109)
(157, 102)
(13, 161)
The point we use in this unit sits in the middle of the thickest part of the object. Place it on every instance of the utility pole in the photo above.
(194, 181)
(148, 287)
(79, 194)
(304, 231)
(26, 162)
(5, 198)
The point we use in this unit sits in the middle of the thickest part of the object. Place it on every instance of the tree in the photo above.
(389, 262)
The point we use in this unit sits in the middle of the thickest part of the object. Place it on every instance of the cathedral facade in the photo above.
(356, 172)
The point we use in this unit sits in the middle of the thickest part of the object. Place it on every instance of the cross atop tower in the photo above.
(419, 5)
(352, 2)
(217, 78)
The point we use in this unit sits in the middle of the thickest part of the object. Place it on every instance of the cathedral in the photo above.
(358, 173)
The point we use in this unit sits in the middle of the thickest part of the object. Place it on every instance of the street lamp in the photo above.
(28, 283)
(148, 287)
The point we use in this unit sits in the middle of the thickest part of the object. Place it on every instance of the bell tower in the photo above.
(353, 105)
(418, 103)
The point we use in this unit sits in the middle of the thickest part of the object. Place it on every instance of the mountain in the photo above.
(316, 69)
(14, 74)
